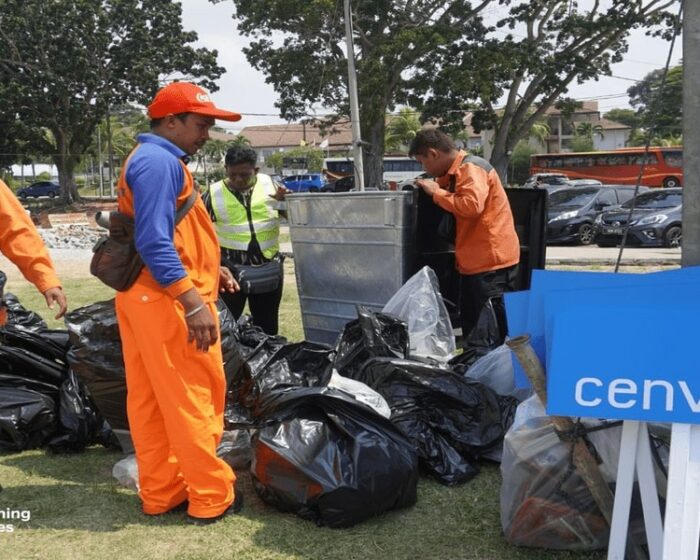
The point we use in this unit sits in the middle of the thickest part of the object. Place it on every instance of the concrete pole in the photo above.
(691, 134)
(354, 105)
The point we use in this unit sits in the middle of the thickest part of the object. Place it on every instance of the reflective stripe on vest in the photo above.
(232, 219)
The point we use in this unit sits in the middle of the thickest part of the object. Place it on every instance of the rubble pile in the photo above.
(71, 236)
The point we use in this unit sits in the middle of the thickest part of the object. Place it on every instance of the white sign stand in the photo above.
(635, 456)
(678, 538)
(682, 526)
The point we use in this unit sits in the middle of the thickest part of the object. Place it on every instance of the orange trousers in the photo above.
(175, 404)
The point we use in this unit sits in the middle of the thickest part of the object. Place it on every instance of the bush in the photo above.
(520, 162)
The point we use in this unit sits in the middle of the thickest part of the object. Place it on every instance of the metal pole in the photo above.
(354, 105)
(111, 154)
(691, 134)
(99, 160)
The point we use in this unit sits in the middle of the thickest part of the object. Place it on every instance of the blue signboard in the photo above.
(625, 354)
(526, 314)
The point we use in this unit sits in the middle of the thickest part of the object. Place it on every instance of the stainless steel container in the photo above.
(349, 248)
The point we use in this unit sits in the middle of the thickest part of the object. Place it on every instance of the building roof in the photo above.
(607, 124)
(292, 134)
(586, 107)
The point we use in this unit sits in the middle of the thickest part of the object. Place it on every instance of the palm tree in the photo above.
(539, 132)
(401, 129)
(587, 130)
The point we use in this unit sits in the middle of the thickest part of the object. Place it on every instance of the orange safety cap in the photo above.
(186, 97)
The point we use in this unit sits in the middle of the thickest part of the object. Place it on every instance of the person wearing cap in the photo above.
(487, 249)
(21, 243)
(167, 318)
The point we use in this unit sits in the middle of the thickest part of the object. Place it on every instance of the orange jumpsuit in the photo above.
(175, 399)
(21, 243)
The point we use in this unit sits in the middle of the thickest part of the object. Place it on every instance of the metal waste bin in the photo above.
(360, 248)
(349, 248)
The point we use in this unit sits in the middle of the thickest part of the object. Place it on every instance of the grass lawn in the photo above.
(78, 510)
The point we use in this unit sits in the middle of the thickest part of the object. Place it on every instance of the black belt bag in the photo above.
(259, 278)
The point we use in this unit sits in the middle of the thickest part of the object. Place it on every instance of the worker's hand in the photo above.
(56, 295)
(227, 283)
(429, 187)
(280, 193)
(201, 328)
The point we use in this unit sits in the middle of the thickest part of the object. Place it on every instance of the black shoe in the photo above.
(233, 509)
(179, 508)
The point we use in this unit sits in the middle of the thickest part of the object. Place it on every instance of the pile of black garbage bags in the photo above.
(42, 401)
(324, 454)
(334, 435)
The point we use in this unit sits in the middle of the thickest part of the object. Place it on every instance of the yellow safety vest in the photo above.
(232, 219)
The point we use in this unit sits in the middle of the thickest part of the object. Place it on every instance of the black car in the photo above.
(572, 212)
(655, 221)
(344, 184)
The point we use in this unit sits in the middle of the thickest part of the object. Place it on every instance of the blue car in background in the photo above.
(41, 188)
(308, 182)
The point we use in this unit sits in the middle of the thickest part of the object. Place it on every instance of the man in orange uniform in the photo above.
(168, 321)
(21, 243)
(487, 248)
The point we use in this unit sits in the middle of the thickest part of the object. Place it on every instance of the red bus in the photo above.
(663, 166)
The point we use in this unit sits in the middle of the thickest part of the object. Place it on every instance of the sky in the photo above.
(243, 89)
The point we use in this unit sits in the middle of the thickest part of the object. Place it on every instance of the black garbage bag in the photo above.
(371, 335)
(18, 315)
(25, 363)
(329, 459)
(79, 422)
(10, 381)
(271, 368)
(452, 421)
(27, 419)
(230, 349)
(250, 337)
(48, 344)
(95, 356)
(484, 338)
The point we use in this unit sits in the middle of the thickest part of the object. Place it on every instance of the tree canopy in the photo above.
(441, 57)
(660, 111)
(308, 67)
(64, 63)
(541, 47)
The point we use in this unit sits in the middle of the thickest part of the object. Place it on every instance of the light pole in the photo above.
(354, 105)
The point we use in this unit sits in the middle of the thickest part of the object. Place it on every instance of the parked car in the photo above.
(40, 188)
(308, 182)
(571, 212)
(583, 182)
(655, 221)
(541, 179)
(344, 184)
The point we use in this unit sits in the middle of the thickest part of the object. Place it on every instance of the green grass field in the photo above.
(79, 511)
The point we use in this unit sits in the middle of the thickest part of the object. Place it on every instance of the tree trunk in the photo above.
(65, 163)
(373, 134)
(500, 157)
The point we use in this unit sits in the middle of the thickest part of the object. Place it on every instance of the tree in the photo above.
(401, 129)
(628, 117)
(582, 143)
(548, 45)
(313, 156)
(660, 111)
(588, 130)
(64, 63)
(391, 38)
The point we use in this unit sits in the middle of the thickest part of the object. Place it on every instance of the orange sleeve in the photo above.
(20, 242)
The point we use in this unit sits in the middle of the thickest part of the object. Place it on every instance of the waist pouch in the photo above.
(259, 279)
(115, 259)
